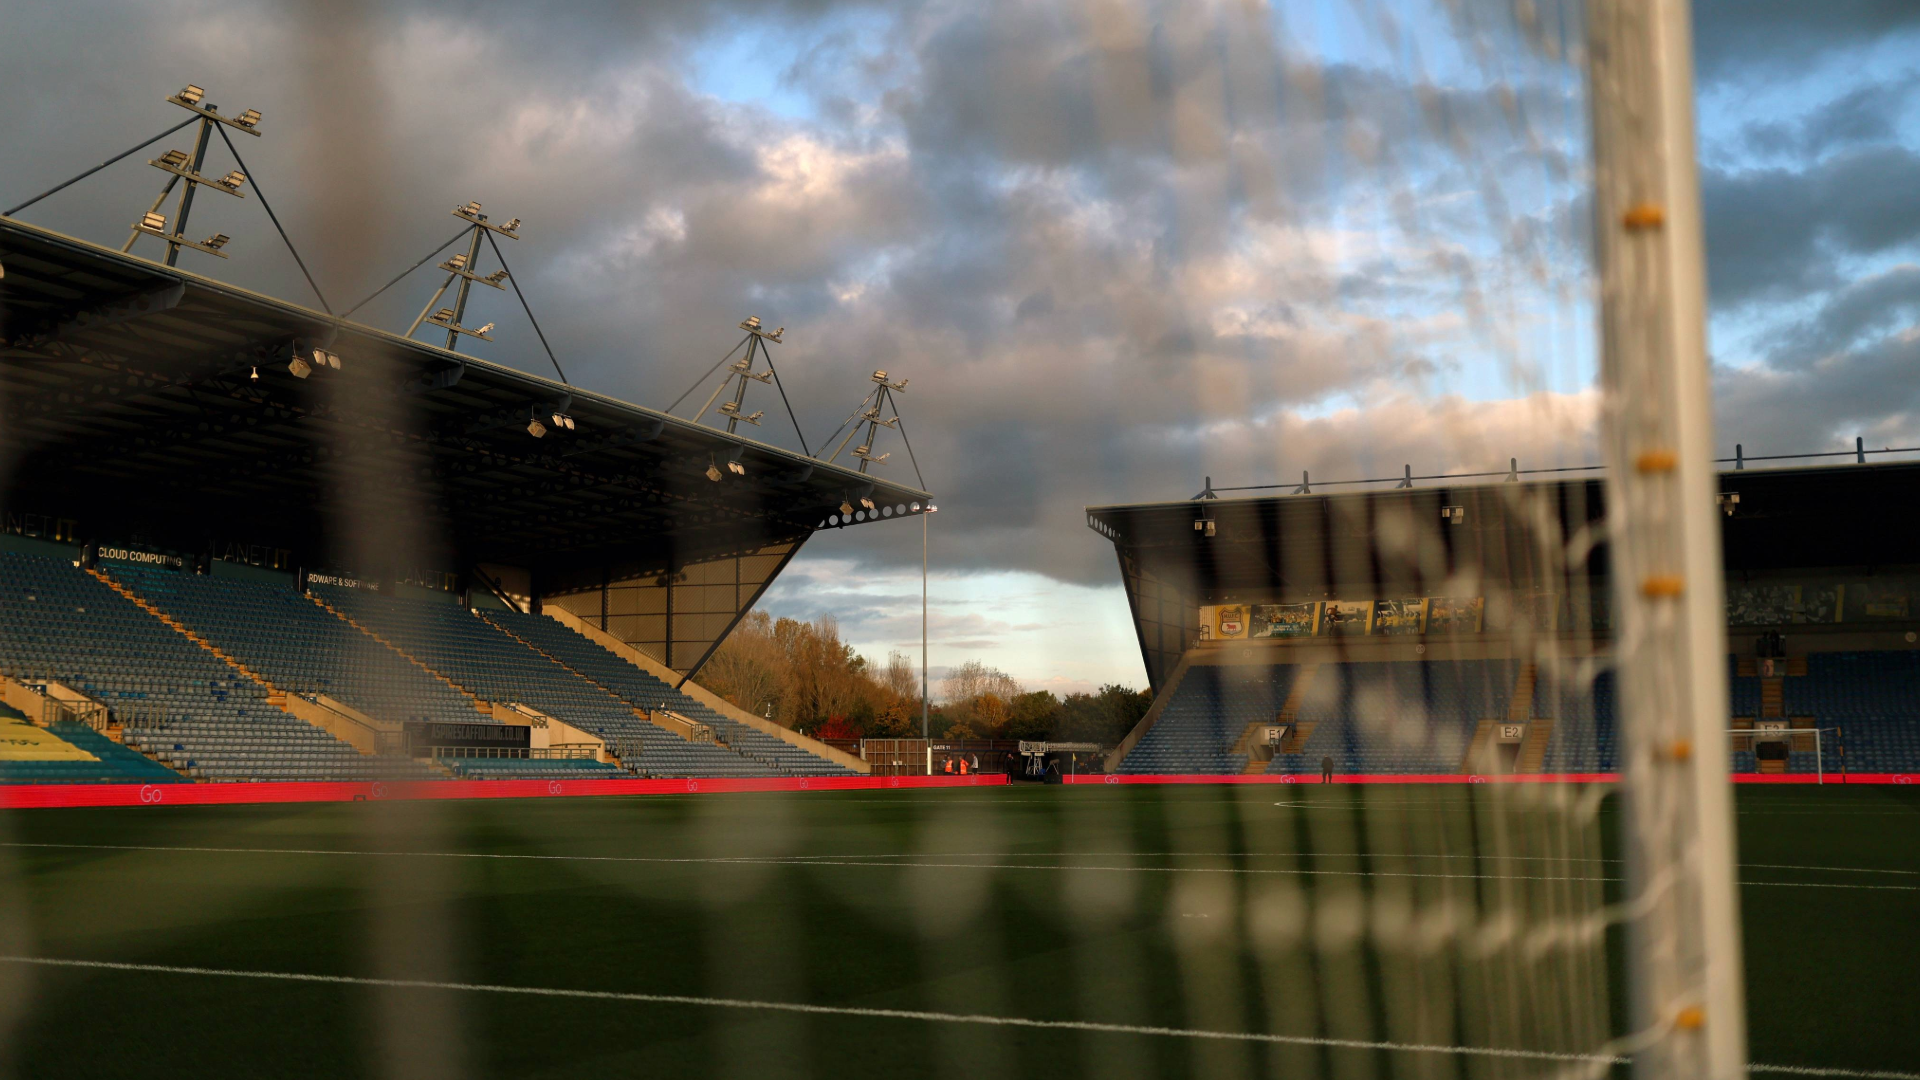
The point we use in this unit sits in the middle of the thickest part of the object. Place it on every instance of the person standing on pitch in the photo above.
(1326, 769)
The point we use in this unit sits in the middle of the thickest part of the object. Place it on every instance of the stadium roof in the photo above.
(129, 399)
(1788, 518)
(1370, 543)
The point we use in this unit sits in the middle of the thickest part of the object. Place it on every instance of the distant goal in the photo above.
(1764, 750)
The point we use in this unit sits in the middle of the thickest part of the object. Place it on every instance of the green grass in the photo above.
(1329, 941)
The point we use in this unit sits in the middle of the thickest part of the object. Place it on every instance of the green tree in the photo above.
(1033, 716)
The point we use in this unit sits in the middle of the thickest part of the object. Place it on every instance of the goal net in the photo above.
(1411, 294)
(1780, 751)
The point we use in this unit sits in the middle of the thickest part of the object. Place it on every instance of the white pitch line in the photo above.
(1380, 855)
(830, 1010)
(816, 861)
(1846, 1073)
(915, 1014)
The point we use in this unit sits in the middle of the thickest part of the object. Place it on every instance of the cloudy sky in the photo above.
(1118, 246)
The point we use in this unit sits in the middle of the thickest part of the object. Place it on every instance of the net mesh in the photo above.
(1398, 190)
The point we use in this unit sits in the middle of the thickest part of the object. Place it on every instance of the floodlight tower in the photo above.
(181, 165)
(460, 267)
(879, 400)
(740, 372)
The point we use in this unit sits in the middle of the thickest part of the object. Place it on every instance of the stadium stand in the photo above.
(642, 690)
(69, 753)
(531, 769)
(1422, 717)
(1873, 698)
(1204, 717)
(297, 645)
(1371, 717)
(1583, 739)
(495, 666)
(173, 698)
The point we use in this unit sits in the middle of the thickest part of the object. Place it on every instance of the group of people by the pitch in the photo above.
(1014, 767)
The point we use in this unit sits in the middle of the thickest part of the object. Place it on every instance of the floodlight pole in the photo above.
(466, 286)
(186, 197)
(925, 701)
(740, 389)
(1684, 963)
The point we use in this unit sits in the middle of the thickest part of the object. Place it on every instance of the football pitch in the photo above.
(1111, 931)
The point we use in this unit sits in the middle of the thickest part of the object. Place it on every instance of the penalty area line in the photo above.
(923, 1016)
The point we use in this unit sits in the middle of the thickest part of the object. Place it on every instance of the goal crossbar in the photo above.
(1754, 736)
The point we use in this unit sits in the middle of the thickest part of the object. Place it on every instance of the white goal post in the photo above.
(1748, 740)
(1684, 963)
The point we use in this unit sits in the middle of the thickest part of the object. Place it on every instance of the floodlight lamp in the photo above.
(174, 159)
(751, 323)
(562, 420)
(470, 210)
(713, 471)
(511, 225)
(255, 377)
(755, 418)
(880, 376)
(232, 180)
(443, 316)
(154, 220)
(299, 368)
(458, 262)
(1209, 528)
(249, 118)
(846, 508)
(496, 277)
(867, 502)
(535, 428)
(191, 95)
(1199, 525)
(216, 241)
(484, 330)
(736, 468)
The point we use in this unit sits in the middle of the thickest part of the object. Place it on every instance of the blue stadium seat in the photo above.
(176, 702)
(497, 666)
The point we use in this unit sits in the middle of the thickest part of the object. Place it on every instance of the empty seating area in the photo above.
(531, 769)
(58, 755)
(58, 623)
(1203, 719)
(1582, 711)
(1873, 698)
(277, 747)
(1409, 717)
(297, 645)
(1848, 686)
(171, 696)
(640, 689)
(495, 666)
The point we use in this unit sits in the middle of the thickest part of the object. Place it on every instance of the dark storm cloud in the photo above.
(1868, 114)
(1735, 39)
(1864, 310)
(1777, 232)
